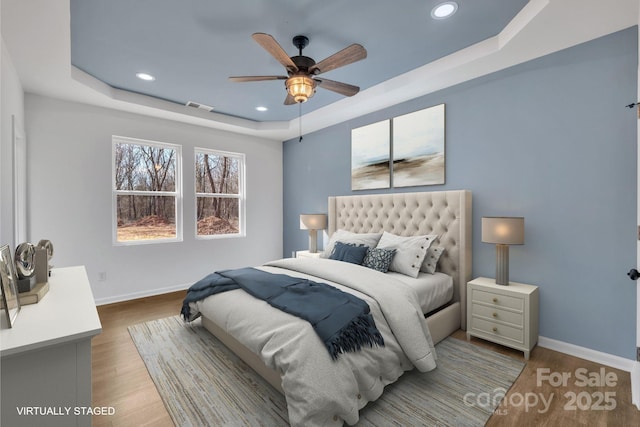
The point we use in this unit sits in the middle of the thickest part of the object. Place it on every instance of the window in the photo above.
(146, 191)
(219, 180)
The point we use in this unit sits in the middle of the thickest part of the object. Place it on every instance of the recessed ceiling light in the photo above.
(145, 76)
(444, 10)
(261, 108)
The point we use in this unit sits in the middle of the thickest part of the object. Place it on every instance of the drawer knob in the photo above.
(495, 299)
(495, 329)
(495, 314)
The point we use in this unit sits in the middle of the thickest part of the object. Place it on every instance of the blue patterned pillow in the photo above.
(379, 259)
(348, 253)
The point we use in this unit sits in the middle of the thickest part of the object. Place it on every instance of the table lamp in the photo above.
(313, 223)
(503, 231)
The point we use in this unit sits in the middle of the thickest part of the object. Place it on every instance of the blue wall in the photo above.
(549, 140)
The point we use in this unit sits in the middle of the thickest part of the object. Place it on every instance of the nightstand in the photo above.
(506, 315)
(307, 254)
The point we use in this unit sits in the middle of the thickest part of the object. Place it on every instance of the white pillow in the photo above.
(344, 236)
(410, 252)
(431, 259)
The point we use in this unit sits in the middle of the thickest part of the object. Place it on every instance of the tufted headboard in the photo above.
(445, 213)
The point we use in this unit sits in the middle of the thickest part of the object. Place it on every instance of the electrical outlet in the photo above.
(638, 354)
(102, 276)
(639, 232)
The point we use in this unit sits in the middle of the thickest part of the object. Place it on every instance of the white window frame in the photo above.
(241, 196)
(177, 193)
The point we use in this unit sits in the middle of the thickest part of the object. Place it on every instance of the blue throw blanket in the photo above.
(340, 319)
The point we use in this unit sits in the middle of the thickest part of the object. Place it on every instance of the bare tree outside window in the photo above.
(146, 183)
(219, 193)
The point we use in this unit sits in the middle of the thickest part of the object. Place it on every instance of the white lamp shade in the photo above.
(313, 222)
(503, 230)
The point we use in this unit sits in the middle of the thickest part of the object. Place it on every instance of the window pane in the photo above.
(145, 167)
(146, 217)
(217, 174)
(218, 215)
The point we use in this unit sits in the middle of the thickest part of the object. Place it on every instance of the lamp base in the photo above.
(313, 241)
(502, 264)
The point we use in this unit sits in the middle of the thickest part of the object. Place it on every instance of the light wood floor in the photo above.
(120, 379)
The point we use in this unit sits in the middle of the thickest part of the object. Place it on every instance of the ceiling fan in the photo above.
(301, 80)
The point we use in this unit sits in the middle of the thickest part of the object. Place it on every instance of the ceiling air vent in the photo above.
(200, 106)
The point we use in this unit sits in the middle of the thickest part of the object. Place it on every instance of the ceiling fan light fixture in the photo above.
(300, 81)
(300, 87)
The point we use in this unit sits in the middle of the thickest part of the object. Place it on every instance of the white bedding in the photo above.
(433, 290)
(318, 390)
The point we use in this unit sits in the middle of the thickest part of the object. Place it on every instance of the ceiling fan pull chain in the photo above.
(300, 120)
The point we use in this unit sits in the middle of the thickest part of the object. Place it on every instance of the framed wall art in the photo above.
(418, 148)
(370, 156)
(9, 286)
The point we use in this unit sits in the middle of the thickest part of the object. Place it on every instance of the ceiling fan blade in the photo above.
(256, 78)
(348, 55)
(289, 100)
(271, 45)
(341, 88)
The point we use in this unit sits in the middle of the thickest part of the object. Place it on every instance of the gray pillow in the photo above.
(431, 259)
(410, 251)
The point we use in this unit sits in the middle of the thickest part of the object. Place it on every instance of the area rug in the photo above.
(202, 383)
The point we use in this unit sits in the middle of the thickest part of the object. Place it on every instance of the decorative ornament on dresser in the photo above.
(25, 259)
(44, 253)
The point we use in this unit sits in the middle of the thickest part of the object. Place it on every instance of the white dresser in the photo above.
(506, 315)
(46, 357)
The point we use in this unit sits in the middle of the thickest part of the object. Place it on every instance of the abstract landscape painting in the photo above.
(418, 148)
(370, 147)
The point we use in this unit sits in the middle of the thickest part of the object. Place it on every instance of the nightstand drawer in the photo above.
(497, 300)
(493, 313)
(498, 330)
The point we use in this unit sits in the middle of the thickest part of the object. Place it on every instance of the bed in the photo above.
(446, 214)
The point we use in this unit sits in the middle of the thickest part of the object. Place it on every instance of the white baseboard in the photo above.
(587, 353)
(143, 294)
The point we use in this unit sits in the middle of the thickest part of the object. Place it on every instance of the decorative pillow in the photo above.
(366, 239)
(410, 252)
(349, 253)
(379, 259)
(431, 259)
